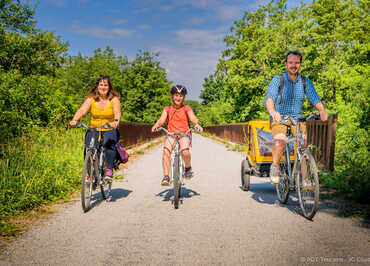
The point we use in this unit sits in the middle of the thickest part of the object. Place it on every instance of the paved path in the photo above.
(217, 224)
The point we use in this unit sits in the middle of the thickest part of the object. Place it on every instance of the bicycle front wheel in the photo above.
(308, 194)
(88, 178)
(282, 189)
(176, 181)
(105, 187)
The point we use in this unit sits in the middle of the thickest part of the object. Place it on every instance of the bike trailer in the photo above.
(259, 143)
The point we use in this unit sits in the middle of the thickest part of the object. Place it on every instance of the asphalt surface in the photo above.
(216, 224)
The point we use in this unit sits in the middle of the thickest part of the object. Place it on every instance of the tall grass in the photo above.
(39, 167)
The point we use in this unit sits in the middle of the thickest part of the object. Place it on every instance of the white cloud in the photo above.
(141, 10)
(101, 32)
(191, 56)
(194, 21)
(199, 39)
(120, 21)
(230, 12)
(59, 3)
(145, 27)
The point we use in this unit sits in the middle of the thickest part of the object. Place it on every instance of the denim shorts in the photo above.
(189, 137)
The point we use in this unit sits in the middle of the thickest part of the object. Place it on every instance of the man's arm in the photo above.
(323, 114)
(271, 96)
(271, 109)
(315, 100)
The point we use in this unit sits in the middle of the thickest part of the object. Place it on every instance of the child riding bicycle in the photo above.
(177, 116)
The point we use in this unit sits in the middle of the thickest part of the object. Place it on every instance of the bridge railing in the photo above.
(132, 133)
(319, 134)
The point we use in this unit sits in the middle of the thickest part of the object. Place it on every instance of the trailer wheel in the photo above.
(245, 175)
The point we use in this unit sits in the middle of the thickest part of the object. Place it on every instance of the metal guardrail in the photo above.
(319, 134)
(132, 133)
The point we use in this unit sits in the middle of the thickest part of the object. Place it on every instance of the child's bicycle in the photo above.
(304, 169)
(177, 165)
(94, 168)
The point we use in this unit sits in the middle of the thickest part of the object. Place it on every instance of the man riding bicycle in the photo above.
(285, 96)
(177, 116)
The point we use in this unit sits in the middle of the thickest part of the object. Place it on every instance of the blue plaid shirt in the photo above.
(292, 94)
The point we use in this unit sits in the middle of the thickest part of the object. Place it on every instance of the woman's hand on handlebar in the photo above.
(114, 124)
(73, 123)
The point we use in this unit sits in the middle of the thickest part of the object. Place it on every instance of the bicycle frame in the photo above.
(296, 139)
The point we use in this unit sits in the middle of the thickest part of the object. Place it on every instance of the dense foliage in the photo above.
(333, 37)
(40, 89)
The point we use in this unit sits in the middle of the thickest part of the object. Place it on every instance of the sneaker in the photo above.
(188, 173)
(165, 181)
(108, 175)
(275, 174)
(307, 185)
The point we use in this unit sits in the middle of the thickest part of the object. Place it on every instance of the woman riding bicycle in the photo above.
(177, 116)
(105, 107)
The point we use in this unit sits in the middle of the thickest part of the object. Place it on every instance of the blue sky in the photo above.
(188, 34)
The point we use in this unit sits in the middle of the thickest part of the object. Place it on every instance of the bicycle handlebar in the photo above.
(176, 133)
(105, 126)
(294, 121)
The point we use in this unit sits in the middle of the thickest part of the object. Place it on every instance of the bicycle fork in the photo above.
(176, 152)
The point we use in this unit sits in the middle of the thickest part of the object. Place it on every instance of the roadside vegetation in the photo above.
(41, 87)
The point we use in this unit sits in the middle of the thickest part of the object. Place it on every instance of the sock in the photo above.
(108, 172)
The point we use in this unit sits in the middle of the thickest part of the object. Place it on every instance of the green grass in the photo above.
(40, 167)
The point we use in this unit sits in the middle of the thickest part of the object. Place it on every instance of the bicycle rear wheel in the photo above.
(88, 178)
(176, 181)
(282, 189)
(308, 197)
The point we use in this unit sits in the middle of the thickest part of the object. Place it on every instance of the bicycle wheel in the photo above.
(245, 175)
(282, 189)
(88, 176)
(176, 181)
(308, 197)
(105, 187)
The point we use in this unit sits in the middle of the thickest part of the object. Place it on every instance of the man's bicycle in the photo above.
(94, 168)
(177, 165)
(304, 169)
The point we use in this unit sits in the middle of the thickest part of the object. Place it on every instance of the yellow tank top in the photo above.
(100, 116)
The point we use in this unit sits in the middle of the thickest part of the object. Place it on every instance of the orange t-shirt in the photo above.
(177, 119)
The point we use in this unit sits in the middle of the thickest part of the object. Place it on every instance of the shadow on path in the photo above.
(167, 194)
(119, 193)
(116, 194)
(265, 193)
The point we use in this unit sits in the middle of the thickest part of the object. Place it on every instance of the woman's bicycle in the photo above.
(304, 169)
(94, 168)
(177, 165)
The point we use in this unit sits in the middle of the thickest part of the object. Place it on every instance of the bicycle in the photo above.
(291, 177)
(177, 165)
(94, 169)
